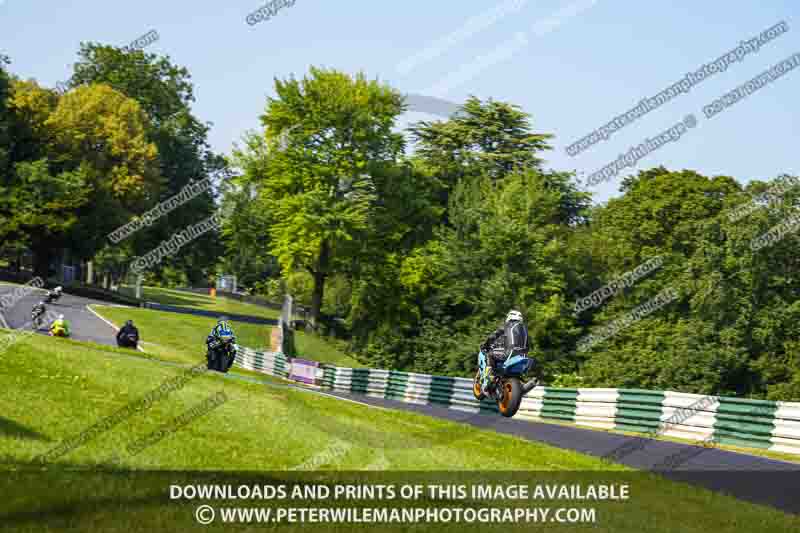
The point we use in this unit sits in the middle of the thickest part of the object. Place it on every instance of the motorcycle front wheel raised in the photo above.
(509, 402)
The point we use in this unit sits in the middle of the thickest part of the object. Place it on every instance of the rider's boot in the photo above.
(488, 378)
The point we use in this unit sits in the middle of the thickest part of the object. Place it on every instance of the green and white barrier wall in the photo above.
(270, 363)
(748, 423)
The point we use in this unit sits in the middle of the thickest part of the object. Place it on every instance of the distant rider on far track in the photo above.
(60, 327)
(53, 295)
(128, 336)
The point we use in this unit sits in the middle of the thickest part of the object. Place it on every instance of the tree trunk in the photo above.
(42, 255)
(319, 283)
(316, 298)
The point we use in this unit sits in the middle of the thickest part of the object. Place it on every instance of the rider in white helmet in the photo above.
(53, 295)
(509, 339)
(60, 327)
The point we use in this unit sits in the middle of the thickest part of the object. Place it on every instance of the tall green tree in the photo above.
(485, 138)
(5, 116)
(78, 161)
(731, 330)
(165, 93)
(501, 242)
(321, 190)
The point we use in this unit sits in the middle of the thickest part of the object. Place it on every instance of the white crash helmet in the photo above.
(514, 316)
(57, 289)
(60, 317)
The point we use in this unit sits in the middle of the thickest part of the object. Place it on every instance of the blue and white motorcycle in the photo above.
(505, 385)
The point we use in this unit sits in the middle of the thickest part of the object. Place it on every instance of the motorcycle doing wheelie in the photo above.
(505, 384)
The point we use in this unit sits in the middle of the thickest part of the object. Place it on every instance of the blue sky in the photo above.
(572, 64)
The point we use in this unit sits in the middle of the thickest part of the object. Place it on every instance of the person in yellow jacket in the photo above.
(60, 327)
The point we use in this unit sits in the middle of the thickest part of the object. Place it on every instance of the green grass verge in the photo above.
(177, 337)
(60, 388)
(310, 346)
(181, 338)
(203, 301)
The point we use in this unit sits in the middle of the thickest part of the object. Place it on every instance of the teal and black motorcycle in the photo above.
(505, 386)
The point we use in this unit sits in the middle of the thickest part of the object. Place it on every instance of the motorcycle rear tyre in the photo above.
(509, 402)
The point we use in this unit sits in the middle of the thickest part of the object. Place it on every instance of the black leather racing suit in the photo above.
(512, 338)
(122, 336)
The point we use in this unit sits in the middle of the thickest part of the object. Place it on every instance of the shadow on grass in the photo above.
(9, 428)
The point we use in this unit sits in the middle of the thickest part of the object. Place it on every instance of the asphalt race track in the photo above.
(748, 477)
(84, 324)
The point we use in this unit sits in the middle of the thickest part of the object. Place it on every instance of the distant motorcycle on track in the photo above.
(60, 328)
(53, 296)
(37, 313)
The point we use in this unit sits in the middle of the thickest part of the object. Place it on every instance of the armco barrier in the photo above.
(761, 424)
(271, 363)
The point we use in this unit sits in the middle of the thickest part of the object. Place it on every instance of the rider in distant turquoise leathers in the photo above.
(512, 337)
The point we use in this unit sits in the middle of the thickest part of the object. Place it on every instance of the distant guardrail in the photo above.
(256, 300)
(763, 424)
(211, 314)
